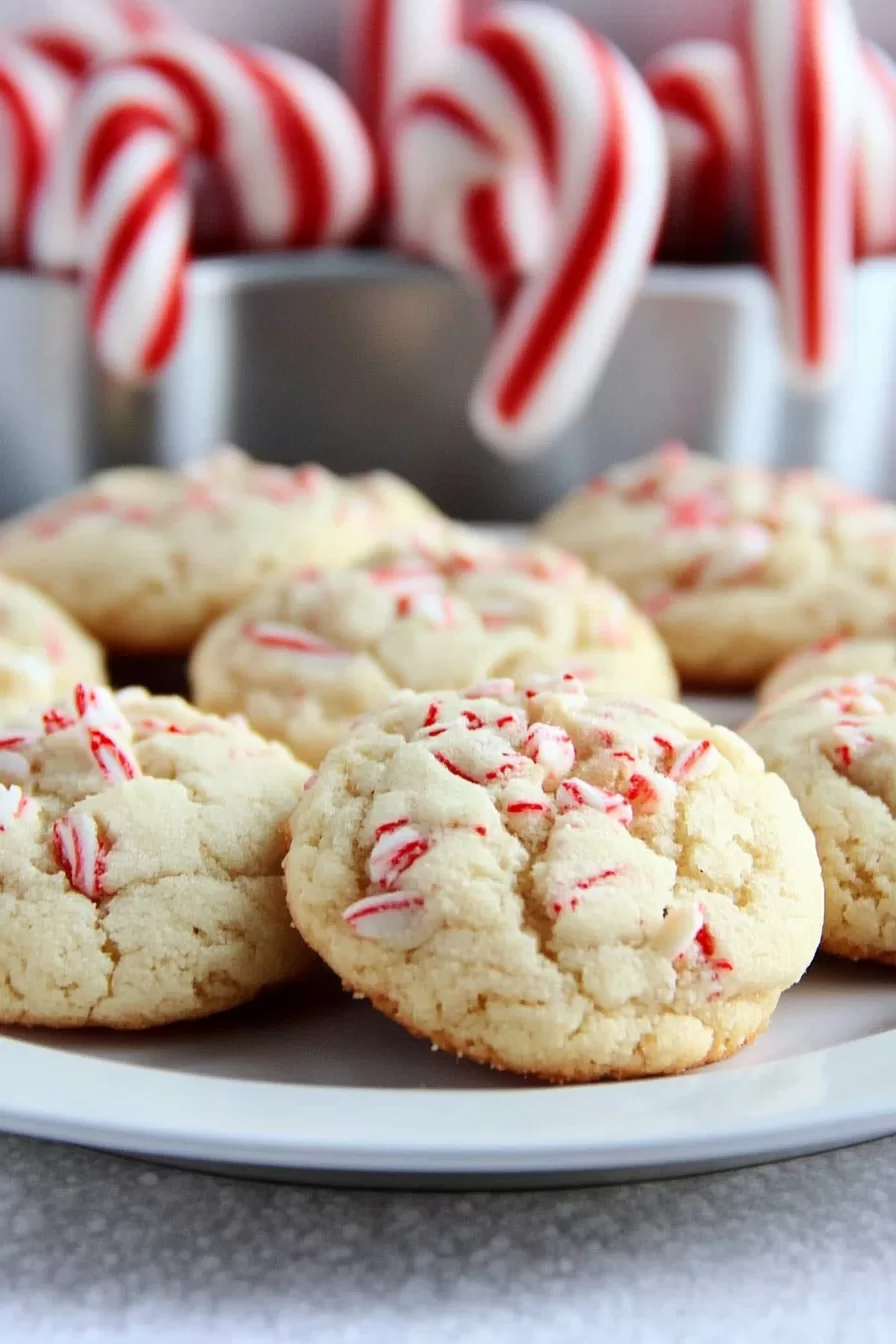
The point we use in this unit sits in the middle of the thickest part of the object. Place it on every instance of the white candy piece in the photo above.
(680, 926)
(14, 806)
(551, 748)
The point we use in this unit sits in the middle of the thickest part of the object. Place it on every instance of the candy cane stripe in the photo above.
(533, 97)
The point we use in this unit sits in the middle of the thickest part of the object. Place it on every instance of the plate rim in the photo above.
(837, 1094)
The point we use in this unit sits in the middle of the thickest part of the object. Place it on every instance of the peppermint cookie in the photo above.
(42, 652)
(567, 886)
(827, 661)
(835, 745)
(739, 567)
(146, 559)
(141, 846)
(304, 658)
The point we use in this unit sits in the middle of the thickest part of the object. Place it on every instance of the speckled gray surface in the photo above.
(98, 1248)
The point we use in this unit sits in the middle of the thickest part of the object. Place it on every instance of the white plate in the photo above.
(341, 1094)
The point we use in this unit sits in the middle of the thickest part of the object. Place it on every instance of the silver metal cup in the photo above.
(359, 359)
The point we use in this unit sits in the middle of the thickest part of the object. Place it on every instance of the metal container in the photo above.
(361, 360)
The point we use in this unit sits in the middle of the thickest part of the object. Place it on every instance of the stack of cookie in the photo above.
(515, 841)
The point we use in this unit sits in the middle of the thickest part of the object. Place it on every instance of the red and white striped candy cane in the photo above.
(531, 87)
(876, 155)
(77, 35)
(34, 99)
(802, 67)
(39, 69)
(117, 204)
(699, 88)
(496, 233)
(390, 48)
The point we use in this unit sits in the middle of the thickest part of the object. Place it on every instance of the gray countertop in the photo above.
(99, 1248)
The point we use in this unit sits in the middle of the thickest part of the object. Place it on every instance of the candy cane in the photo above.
(34, 98)
(876, 155)
(531, 87)
(390, 47)
(39, 68)
(495, 232)
(802, 64)
(699, 88)
(79, 34)
(117, 203)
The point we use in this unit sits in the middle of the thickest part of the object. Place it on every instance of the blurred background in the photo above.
(362, 360)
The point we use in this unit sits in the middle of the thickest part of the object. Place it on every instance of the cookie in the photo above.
(397, 504)
(145, 559)
(43, 653)
(835, 745)
(560, 885)
(141, 845)
(303, 658)
(739, 567)
(828, 660)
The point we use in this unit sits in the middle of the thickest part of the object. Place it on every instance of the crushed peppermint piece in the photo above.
(551, 748)
(848, 741)
(648, 792)
(115, 762)
(680, 926)
(737, 560)
(293, 639)
(15, 806)
(397, 847)
(406, 580)
(578, 793)
(397, 918)
(57, 721)
(81, 854)
(520, 806)
(565, 683)
(570, 897)
(97, 707)
(693, 760)
(438, 611)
